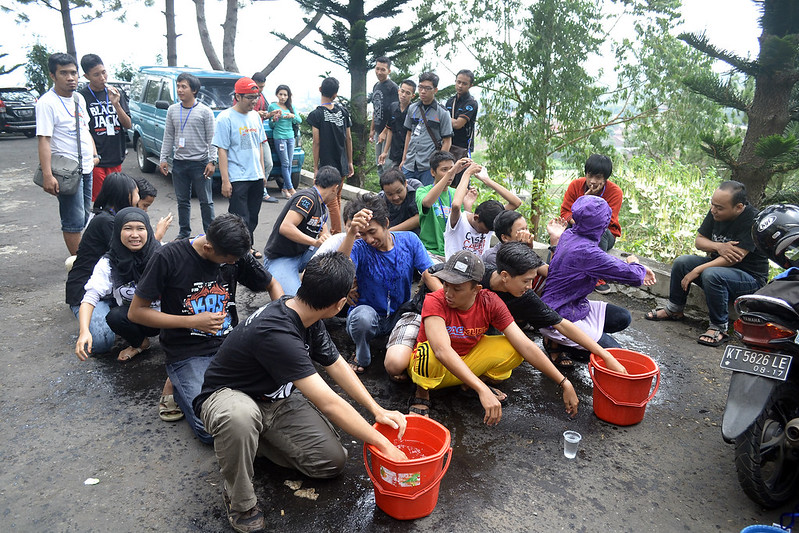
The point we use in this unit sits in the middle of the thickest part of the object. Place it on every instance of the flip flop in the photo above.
(717, 339)
(136, 351)
(557, 355)
(414, 400)
(653, 315)
(358, 369)
(168, 409)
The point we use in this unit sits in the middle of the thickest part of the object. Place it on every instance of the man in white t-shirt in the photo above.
(58, 135)
(473, 231)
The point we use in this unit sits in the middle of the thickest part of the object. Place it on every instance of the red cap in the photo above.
(246, 86)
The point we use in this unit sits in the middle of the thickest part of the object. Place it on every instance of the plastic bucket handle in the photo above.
(414, 496)
(624, 404)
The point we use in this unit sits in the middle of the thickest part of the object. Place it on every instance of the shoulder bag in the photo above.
(67, 172)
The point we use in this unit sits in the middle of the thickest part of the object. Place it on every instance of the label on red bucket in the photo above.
(400, 479)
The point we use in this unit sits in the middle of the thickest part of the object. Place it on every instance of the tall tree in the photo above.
(770, 145)
(171, 34)
(348, 45)
(36, 69)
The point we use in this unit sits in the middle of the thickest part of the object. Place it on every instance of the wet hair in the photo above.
(599, 164)
(392, 176)
(327, 279)
(229, 235)
(432, 77)
(89, 61)
(488, 211)
(349, 211)
(329, 87)
(115, 193)
(258, 77)
(439, 157)
(327, 176)
(516, 258)
(466, 72)
(503, 223)
(384, 59)
(145, 187)
(192, 80)
(411, 83)
(60, 59)
(288, 91)
(375, 204)
(737, 189)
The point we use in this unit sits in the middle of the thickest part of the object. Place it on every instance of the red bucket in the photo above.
(409, 489)
(621, 398)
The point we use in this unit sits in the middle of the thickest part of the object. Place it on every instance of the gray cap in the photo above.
(461, 267)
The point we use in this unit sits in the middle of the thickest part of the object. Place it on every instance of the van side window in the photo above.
(136, 87)
(166, 92)
(151, 92)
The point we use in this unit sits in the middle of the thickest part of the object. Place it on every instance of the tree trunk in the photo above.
(358, 71)
(66, 22)
(171, 35)
(229, 38)
(205, 37)
(297, 38)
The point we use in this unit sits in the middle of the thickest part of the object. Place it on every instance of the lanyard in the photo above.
(95, 96)
(63, 104)
(183, 122)
(442, 205)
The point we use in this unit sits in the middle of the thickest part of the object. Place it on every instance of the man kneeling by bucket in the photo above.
(249, 403)
(452, 347)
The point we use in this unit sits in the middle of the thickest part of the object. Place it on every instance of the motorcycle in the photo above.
(761, 416)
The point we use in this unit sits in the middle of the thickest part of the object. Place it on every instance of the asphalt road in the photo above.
(65, 421)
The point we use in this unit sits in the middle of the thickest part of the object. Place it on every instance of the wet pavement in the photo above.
(66, 421)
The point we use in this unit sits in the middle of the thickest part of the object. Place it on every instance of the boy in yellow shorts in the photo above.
(452, 348)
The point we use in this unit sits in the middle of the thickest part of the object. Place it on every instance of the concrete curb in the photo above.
(695, 308)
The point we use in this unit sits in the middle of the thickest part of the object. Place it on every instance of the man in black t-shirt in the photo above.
(109, 117)
(196, 283)
(733, 266)
(301, 227)
(395, 130)
(400, 198)
(262, 393)
(384, 94)
(462, 109)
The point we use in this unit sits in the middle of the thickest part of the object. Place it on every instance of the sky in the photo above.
(730, 24)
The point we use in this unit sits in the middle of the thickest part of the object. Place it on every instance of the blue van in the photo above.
(154, 89)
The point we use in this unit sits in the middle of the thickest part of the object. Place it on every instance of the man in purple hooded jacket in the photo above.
(575, 268)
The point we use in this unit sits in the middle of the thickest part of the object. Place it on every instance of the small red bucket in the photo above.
(621, 398)
(409, 489)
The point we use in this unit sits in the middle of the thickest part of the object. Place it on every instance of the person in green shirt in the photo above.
(283, 134)
(435, 201)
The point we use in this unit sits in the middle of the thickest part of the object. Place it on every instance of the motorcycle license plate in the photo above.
(768, 365)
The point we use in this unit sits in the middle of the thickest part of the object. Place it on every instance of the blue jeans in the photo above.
(75, 209)
(422, 175)
(285, 151)
(721, 285)
(268, 164)
(363, 325)
(286, 270)
(188, 175)
(102, 336)
(187, 377)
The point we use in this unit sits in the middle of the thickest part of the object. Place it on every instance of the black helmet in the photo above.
(776, 234)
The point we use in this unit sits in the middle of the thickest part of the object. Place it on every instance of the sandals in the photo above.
(653, 315)
(132, 352)
(557, 355)
(718, 337)
(358, 369)
(168, 409)
(414, 400)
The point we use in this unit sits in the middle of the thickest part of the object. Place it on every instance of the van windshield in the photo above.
(216, 93)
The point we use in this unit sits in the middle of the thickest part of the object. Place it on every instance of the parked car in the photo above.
(17, 111)
(154, 89)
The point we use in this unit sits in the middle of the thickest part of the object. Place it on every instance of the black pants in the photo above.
(245, 201)
(134, 334)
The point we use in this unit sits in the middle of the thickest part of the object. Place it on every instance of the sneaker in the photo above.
(602, 287)
(270, 199)
(250, 521)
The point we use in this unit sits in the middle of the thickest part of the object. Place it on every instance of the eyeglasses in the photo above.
(251, 96)
(425, 88)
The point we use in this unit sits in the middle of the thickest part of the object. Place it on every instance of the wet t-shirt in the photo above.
(527, 308)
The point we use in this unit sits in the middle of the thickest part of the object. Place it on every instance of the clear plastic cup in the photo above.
(571, 441)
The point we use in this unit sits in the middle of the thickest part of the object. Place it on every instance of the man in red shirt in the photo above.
(452, 348)
(597, 171)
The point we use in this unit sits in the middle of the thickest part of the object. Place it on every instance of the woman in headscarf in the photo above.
(114, 281)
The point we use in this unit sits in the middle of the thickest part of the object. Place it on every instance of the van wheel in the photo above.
(145, 165)
(30, 134)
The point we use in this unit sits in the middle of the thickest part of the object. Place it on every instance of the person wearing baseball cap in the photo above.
(238, 137)
(453, 348)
